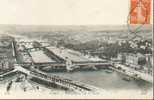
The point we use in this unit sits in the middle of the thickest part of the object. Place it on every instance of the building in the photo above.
(6, 56)
(121, 57)
(4, 64)
(135, 60)
(149, 60)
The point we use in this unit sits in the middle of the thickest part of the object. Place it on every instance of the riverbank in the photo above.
(132, 73)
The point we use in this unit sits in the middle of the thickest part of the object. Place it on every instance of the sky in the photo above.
(64, 12)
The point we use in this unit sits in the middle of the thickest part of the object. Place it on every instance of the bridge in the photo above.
(29, 42)
(36, 48)
(90, 63)
(7, 74)
(64, 65)
(78, 87)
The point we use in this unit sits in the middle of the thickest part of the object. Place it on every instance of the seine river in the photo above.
(108, 81)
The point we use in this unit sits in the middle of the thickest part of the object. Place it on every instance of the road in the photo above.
(144, 76)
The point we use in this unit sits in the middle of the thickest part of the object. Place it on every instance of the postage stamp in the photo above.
(140, 11)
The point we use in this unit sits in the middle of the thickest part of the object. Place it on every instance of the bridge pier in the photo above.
(69, 64)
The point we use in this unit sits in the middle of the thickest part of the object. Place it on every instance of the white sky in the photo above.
(63, 12)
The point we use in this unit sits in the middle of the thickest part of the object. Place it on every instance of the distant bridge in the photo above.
(34, 49)
(63, 65)
(76, 63)
(29, 42)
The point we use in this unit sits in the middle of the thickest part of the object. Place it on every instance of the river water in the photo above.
(107, 81)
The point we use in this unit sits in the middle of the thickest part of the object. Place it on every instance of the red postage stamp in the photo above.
(140, 11)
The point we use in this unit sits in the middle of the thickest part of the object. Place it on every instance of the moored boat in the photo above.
(108, 71)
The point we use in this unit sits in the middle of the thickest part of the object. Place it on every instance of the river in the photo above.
(108, 81)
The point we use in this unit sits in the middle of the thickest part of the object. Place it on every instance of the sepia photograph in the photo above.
(76, 49)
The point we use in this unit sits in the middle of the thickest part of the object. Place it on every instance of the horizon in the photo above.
(73, 27)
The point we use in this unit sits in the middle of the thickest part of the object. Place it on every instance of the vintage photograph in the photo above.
(76, 49)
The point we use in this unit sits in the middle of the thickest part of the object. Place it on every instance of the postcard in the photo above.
(76, 49)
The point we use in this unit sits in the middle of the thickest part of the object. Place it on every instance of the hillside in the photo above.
(77, 34)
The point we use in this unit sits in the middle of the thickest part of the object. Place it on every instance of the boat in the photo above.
(126, 78)
(108, 71)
